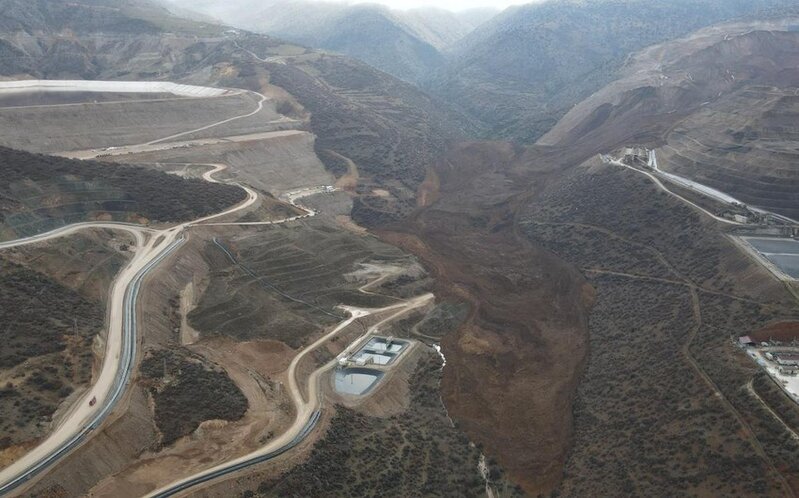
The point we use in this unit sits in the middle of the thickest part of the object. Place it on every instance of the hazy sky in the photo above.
(447, 4)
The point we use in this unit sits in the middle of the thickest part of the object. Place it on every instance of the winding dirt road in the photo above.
(261, 99)
(151, 245)
(306, 404)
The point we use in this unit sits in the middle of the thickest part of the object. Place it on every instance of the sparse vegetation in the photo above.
(523, 240)
(187, 391)
(416, 453)
(522, 72)
(644, 252)
(443, 319)
(287, 283)
(50, 323)
(777, 400)
(393, 143)
(39, 315)
(41, 192)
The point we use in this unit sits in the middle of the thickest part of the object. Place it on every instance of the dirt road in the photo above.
(261, 99)
(662, 187)
(151, 246)
(306, 404)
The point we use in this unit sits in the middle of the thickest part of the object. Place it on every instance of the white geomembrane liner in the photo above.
(112, 87)
(687, 182)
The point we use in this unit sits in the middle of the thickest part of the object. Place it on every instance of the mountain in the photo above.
(407, 44)
(477, 16)
(442, 28)
(371, 34)
(522, 70)
(389, 128)
(718, 105)
(57, 39)
(583, 315)
(131, 17)
(721, 104)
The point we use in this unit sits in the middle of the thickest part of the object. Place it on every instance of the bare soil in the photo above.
(53, 304)
(513, 366)
(780, 332)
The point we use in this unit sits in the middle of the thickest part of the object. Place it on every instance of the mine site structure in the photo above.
(734, 211)
(779, 359)
(771, 239)
(358, 373)
(218, 279)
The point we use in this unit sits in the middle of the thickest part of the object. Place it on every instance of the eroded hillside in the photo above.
(523, 70)
(584, 315)
(53, 302)
(720, 102)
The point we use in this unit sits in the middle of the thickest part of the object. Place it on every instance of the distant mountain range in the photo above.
(407, 44)
(523, 69)
(519, 239)
(518, 71)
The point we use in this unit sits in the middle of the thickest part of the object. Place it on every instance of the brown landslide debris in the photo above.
(513, 367)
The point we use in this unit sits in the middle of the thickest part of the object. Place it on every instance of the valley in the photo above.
(547, 251)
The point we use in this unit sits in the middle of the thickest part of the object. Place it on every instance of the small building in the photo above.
(635, 155)
(746, 341)
(739, 218)
(790, 371)
(787, 359)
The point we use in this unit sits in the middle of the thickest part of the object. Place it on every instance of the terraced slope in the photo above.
(392, 131)
(285, 282)
(407, 44)
(91, 124)
(523, 70)
(745, 144)
(723, 103)
(274, 164)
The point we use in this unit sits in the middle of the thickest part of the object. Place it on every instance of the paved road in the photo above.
(120, 344)
(82, 418)
(136, 230)
(307, 406)
(152, 247)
